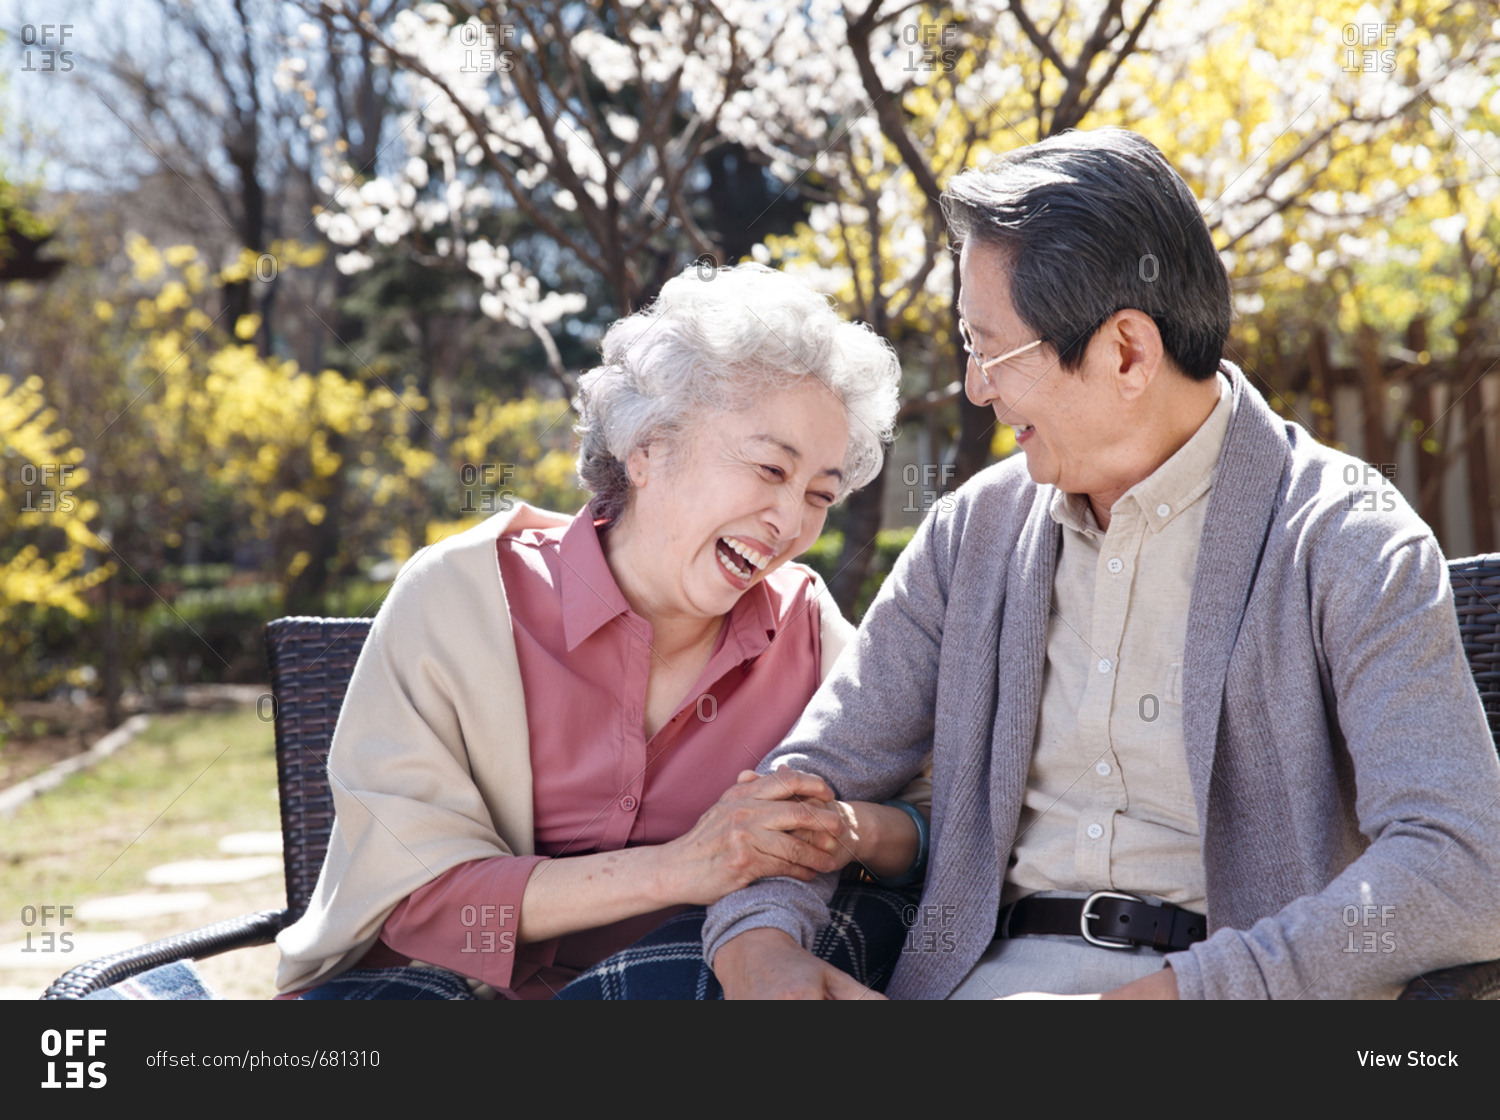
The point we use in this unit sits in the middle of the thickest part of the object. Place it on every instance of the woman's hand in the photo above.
(746, 835)
(881, 839)
(776, 824)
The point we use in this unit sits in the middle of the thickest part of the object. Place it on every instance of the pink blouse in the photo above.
(598, 783)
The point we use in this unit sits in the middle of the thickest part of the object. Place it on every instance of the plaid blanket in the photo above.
(392, 983)
(174, 980)
(864, 938)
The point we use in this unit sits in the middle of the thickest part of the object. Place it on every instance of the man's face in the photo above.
(1070, 425)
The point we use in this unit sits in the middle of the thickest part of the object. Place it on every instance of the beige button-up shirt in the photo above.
(1109, 803)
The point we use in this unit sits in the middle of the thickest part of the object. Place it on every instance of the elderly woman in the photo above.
(548, 742)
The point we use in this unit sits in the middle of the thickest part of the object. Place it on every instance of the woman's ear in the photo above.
(637, 464)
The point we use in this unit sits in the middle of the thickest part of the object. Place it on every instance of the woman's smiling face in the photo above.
(740, 495)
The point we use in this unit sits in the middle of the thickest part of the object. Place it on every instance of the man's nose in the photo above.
(976, 388)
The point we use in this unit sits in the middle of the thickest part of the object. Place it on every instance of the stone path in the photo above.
(246, 861)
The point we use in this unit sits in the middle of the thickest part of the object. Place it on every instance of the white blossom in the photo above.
(1449, 230)
(350, 263)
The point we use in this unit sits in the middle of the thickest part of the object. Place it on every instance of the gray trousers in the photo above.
(1056, 963)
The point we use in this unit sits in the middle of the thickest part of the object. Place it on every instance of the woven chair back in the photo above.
(1476, 595)
(311, 660)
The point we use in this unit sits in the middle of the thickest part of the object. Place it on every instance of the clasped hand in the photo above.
(785, 823)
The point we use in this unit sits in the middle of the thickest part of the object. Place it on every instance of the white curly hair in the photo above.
(714, 341)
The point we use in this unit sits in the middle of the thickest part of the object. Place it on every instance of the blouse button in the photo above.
(1116, 565)
(628, 803)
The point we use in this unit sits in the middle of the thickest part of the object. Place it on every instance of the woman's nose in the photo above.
(786, 516)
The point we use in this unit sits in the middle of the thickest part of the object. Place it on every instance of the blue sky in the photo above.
(54, 128)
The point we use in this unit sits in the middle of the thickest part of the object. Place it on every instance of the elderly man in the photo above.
(1200, 718)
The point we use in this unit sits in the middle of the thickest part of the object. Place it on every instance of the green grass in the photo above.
(169, 795)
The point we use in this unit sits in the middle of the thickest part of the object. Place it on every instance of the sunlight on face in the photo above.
(741, 495)
(1066, 422)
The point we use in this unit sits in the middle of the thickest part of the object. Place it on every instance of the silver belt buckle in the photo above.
(1083, 920)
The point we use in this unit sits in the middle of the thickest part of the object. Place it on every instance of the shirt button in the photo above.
(1102, 769)
(1095, 831)
(1163, 509)
(1116, 565)
(1104, 665)
(628, 803)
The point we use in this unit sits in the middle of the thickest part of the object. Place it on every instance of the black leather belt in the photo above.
(1109, 919)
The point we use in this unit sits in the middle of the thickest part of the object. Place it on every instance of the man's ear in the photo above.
(1135, 352)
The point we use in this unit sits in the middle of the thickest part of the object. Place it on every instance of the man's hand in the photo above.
(768, 964)
(1161, 984)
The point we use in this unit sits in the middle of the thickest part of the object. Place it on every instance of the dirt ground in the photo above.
(47, 731)
(41, 732)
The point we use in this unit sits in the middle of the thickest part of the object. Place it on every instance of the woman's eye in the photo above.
(775, 472)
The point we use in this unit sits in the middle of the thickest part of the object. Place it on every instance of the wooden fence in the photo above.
(1433, 428)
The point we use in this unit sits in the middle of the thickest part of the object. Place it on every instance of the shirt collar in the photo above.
(1172, 487)
(1187, 475)
(591, 597)
(1072, 511)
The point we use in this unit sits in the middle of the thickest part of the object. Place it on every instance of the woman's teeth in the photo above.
(729, 567)
(750, 559)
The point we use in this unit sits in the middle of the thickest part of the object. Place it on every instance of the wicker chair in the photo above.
(312, 659)
(311, 662)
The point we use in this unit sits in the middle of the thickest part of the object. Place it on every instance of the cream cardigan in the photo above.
(430, 763)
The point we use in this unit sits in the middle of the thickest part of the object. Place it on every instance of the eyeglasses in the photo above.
(984, 364)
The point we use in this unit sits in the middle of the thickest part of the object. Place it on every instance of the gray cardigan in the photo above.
(1347, 787)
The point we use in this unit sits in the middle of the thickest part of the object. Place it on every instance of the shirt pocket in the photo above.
(1171, 692)
(1167, 794)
